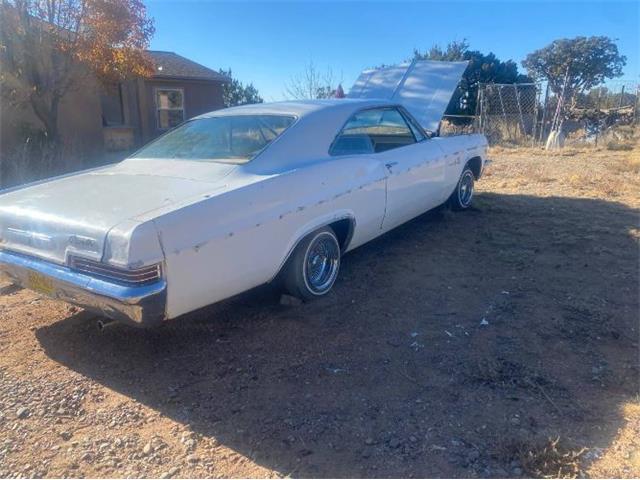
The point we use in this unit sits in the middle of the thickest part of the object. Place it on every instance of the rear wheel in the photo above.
(313, 267)
(462, 196)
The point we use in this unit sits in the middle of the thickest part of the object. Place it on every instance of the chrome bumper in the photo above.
(136, 305)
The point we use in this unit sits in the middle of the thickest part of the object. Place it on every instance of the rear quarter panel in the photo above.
(458, 150)
(237, 240)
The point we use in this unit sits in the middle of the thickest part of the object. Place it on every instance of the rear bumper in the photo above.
(136, 305)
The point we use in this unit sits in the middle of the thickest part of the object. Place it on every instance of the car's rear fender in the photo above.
(237, 240)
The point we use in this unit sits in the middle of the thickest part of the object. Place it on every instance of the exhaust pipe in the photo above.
(104, 323)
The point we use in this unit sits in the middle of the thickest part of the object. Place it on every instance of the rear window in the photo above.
(227, 139)
(372, 131)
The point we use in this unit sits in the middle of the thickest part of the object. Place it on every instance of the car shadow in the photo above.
(448, 347)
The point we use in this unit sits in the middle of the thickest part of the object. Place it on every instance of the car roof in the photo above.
(300, 108)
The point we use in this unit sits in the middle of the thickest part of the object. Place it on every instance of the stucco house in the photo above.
(95, 118)
(136, 111)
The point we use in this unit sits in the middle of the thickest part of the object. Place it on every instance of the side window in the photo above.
(417, 133)
(373, 131)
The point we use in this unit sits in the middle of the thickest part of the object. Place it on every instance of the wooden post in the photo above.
(598, 115)
(479, 109)
(621, 96)
(504, 114)
(635, 105)
(515, 89)
(544, 112)
(535, 116)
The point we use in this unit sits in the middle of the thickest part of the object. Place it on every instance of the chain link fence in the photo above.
(522, 114)
(507, 113)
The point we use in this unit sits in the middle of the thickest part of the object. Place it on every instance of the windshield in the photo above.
(228, 139)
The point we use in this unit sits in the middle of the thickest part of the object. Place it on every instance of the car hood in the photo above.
(74, 214)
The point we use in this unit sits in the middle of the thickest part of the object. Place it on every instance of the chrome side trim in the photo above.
(143, 305)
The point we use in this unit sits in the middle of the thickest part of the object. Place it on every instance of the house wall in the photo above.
(79, 122)
(199, 97)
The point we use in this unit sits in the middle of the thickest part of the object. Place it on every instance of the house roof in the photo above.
(172, 65)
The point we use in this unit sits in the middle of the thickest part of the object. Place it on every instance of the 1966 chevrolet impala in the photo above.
(242, 196)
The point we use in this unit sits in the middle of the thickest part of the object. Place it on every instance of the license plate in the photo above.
(40, 283)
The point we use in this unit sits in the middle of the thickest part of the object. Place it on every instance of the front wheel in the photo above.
(313, 268)
(462, 196)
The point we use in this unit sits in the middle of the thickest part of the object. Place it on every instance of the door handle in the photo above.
(390, 164)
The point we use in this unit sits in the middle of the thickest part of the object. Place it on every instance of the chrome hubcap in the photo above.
(321, 264)
(465, 191)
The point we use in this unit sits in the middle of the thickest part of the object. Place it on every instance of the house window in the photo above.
(111, 102)
(170, 107)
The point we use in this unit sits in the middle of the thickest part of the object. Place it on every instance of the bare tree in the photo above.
(311, 84)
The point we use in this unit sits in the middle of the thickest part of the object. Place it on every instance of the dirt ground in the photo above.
(499, 342)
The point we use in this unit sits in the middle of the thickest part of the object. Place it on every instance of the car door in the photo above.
(415, 170)
(413, 164)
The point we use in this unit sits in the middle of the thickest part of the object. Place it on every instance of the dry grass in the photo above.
(615, 145)
(596, 173)
(588, 172)
(622, 458)
(551, 460)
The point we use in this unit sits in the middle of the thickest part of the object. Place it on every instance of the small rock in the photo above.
(290, 301)
(65, 435)
(87, 457)
(170, 473)
(22, 412)
(193, 458)
(147, 449)
(368, 441)
(413, 439)
(367, 452)
(515, 421)
(395, 442)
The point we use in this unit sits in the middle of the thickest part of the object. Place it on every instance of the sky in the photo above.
(268, 43)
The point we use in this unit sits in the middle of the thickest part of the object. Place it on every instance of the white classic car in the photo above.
(241, 197)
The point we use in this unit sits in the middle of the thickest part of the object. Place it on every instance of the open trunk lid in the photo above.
(423, 87)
